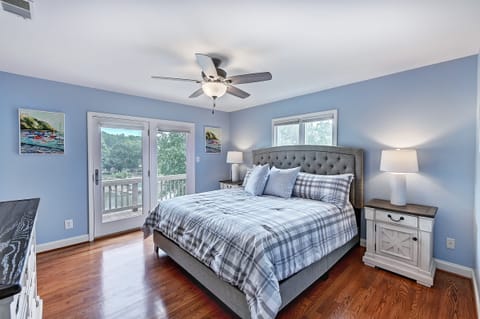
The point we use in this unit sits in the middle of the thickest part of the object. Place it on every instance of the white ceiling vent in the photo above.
(19, 7)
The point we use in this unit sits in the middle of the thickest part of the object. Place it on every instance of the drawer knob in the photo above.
(414, 239)
(395, 220)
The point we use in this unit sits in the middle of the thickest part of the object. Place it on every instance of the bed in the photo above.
(276, 282)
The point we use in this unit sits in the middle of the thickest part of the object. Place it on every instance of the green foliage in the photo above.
(287, 134)
(122, 158)
(121, 155)
(209, 135)
(318, 132)
(171, 155)
(30, 123)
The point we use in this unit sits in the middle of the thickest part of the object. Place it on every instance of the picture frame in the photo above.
(213, 140)
(41, 132)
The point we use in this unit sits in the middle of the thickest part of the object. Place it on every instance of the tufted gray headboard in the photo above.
(316, 159)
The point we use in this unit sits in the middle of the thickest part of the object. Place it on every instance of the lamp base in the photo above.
(398, 188)
(235, 173)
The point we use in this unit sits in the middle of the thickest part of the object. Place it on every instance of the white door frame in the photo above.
(153, 125)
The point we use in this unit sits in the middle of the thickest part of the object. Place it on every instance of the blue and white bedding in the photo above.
(253, 242)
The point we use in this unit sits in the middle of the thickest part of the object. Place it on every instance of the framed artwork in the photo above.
(213, 139)
(41, 132)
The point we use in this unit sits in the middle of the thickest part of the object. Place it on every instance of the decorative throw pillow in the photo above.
(247, 175)
(257, 180)
(280, 182)
(334, 189)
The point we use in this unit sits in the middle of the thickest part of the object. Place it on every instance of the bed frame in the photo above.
(323, 160)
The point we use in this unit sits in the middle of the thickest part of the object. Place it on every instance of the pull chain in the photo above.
(213, 109)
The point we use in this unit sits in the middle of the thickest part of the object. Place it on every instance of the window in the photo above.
(314, 129)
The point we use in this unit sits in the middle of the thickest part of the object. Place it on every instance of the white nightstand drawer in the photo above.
(396, 218)
(397, 242)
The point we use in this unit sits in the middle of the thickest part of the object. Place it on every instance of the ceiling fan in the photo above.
(215, 82)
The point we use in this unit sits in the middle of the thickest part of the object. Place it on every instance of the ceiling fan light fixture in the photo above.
(214, 89)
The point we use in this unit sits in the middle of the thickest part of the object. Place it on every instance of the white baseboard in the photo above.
(62, 243)
(454, 268)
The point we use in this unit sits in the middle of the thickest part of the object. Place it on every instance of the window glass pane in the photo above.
(171, 163)
(319, 132)
(287, 134)
(121, 173)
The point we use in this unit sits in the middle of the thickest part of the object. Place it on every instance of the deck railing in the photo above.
(170, 186)
(126, 194)
(122, 195)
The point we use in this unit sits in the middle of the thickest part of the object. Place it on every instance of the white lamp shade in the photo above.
(212, 89)
(234, 157)
(399, 161)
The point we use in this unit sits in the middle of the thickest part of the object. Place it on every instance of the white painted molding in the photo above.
(457, 269)
(363, 242)
(62, 243)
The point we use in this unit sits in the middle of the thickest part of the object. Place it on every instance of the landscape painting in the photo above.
(213, 139)
(41, 132)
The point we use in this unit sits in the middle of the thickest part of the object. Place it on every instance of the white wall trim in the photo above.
(62, 243)
(457, 269)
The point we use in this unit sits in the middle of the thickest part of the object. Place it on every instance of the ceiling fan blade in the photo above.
(175, 79)
(207, 65)
(197, 93)
(237, 92)
(250, 77)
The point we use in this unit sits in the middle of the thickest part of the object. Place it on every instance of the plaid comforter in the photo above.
(253, 242)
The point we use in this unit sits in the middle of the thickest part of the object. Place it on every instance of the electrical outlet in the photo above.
(450, 243)
(68, 223)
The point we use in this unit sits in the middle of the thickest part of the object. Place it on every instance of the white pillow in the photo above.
(257, 180)
(247, 175)
(280, 182)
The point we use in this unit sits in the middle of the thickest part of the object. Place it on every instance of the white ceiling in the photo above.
(308, 46)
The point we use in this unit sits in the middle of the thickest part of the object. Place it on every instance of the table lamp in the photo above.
(235, 158)
(399, 163)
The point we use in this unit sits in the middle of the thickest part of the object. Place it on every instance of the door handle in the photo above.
(96, 177)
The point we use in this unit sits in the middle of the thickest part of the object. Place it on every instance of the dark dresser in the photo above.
(18, 271)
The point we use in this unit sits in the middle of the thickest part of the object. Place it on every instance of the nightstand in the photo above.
(400, 239)
(229, 184)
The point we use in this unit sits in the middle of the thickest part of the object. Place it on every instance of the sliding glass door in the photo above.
(134, 164)
(120, 176)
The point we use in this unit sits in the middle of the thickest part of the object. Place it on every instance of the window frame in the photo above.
(301, 119)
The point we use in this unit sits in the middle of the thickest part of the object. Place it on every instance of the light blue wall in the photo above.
(61, 180)
(432, 109)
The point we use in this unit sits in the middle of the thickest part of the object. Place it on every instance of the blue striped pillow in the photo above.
(334, 189)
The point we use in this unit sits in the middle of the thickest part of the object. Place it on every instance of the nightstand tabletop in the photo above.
(413, 209)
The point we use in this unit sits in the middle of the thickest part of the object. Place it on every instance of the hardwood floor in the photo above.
(121, 277)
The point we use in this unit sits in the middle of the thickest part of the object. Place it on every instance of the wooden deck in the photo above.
(121, 277)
